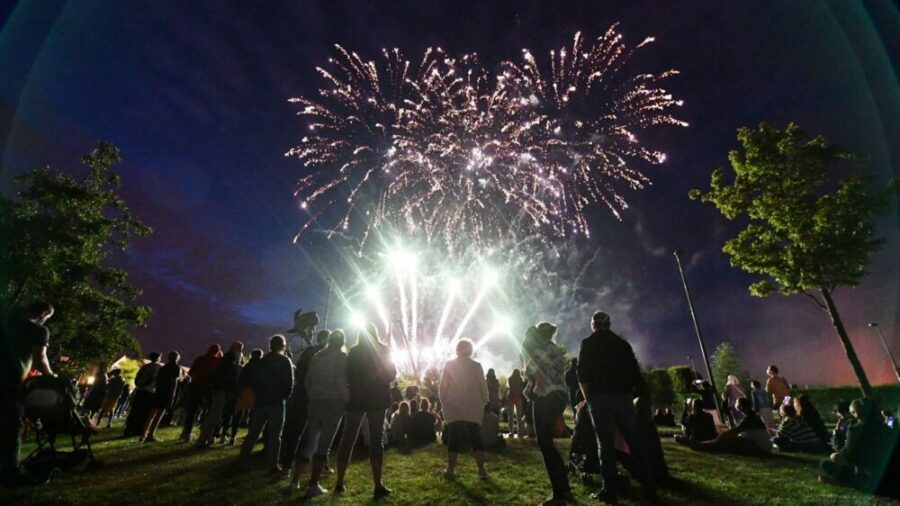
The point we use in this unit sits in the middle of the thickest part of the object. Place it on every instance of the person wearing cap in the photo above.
(546, 370)
(610, 377)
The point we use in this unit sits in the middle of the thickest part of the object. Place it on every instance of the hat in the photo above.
(546, 330)
(601, 319)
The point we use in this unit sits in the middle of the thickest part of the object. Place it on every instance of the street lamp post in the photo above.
(887, 349)
(687, 294)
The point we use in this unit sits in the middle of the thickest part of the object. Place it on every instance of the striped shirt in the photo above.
(796, 430)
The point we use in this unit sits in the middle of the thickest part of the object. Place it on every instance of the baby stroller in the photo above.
(51, 411)
(584, 461)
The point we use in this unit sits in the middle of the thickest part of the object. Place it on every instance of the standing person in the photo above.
(222, 386)
(369, 376)
(493, 388)
(114, 388)
(396, 394)
(515, 399)
(96, 395)
(298, 404)
(272, 382)
(733, 392)
(463, 394)
(144, 391)
(122, 405)
(164, 395)
(777, 386)
(198, 389)
(23, 346)
(762, 404)
(609, 376)
(575, 396)
(328, 392)
(546, 370)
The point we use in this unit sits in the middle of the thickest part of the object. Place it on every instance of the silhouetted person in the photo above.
(298, 405)
(144, 392)
(698, 426)
(370, 373)
(776, 386)
(23, 346)
(493, 388)
(198, 389)
(167, 380)
(610, 377)
(222, 387)
(114, 387)
(463, 394)
(328, 393)
(546, 369)
(272, 383)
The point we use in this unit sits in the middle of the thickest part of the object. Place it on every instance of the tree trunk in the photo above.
(848, 346)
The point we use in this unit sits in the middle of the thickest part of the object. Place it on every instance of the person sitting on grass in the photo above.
(811, 416)
(863, 459)
(795, 435)
(668, 418)
(839, 436)
(750, 437)
(698, 426)
(423, 430)
(463, 393)
(401, 423)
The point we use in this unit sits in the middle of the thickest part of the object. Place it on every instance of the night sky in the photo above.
(196, 99)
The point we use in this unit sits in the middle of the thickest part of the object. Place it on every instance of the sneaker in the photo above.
(315, 491)
(327, 471)
(483, 474)
(381, 492)
(231, 441)
(449, 474)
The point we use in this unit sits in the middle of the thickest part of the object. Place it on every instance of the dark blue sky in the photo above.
(196, 98)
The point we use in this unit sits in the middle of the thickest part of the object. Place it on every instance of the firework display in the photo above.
(444, 150)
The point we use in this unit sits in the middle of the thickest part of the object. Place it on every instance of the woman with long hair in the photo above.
(370, 373)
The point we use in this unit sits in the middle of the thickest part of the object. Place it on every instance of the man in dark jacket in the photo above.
(295, 418)
(272, 382)
(610, 377)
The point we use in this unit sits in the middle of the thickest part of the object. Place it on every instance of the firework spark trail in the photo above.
(445, 150)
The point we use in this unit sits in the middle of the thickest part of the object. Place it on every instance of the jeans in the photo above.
(321, 426)
(294, 422)
(545, 412)
(213, 415)
(272, 418)
(611, 412)
(352, 420)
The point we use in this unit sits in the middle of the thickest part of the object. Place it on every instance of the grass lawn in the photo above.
(173, 473)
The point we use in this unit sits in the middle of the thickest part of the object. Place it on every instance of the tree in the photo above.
(724, 363)
(57, 239)
(808, 230)
(682, 377)
(662, 391)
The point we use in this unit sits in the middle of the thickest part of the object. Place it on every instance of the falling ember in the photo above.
(443, 148)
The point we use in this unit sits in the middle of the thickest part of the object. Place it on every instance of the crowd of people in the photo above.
(331, 397)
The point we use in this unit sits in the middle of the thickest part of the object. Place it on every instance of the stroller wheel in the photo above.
(53, 474)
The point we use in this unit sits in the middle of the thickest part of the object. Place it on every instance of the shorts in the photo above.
(462, 435)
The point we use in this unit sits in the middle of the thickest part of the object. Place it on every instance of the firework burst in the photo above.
(445, 150)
